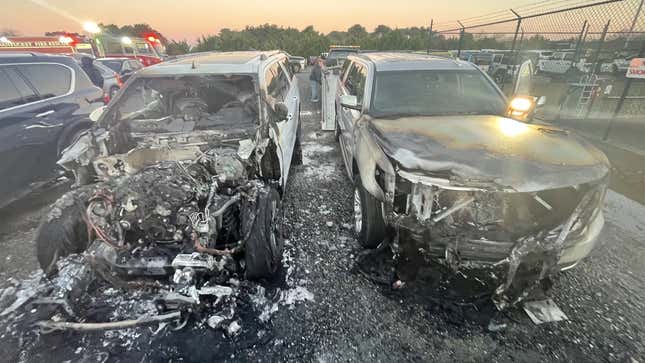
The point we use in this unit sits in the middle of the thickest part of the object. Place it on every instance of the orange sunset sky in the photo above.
(188, 19)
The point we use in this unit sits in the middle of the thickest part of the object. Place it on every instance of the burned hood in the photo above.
(489, 151)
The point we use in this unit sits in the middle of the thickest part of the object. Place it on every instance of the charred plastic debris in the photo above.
(179, 193)
(512, 234)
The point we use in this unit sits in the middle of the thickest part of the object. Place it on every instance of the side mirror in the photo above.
(281, 110)
(350, 101)
(96, 114)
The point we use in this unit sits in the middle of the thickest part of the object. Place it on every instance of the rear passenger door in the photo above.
(279, 87)
(28, 128)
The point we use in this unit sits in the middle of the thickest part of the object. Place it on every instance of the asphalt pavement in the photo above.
(339, 314)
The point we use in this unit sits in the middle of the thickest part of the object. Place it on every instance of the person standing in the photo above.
(315, 80)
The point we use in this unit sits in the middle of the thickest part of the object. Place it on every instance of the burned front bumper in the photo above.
(489, 226)
(484, 251)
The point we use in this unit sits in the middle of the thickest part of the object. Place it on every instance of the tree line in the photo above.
(309, 41)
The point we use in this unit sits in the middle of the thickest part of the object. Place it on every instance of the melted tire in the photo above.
(372, 231)
(62, 232)
(263, 252)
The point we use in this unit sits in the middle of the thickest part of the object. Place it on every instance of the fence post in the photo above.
(599, 48)
(461, 38)
(631, 28)
(594, 66)
(621, 101)
(513, 55)
(576, 56)
(430, 36)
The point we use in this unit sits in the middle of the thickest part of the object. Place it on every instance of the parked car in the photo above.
(558, 63)
(444, 164)
(297, 63)
(125, 67)
(44, 105)
(338, 53)
(190, 159)
(112, 81)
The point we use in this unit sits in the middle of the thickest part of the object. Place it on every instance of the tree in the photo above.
(7, 32)
(177, 47)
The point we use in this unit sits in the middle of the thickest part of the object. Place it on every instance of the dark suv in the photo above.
(44, 104)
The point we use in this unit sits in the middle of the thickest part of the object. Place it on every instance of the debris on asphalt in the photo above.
(544, 311)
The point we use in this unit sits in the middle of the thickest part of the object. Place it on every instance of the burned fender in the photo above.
(368, 156)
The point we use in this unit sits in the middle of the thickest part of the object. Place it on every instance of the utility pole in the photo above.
(430, 36)
(461, 38)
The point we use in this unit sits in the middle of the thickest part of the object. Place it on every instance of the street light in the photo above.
(91, 27)
(126, 40)
(4, 40)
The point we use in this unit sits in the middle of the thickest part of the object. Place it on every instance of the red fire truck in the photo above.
(148, 50)
(64, 44)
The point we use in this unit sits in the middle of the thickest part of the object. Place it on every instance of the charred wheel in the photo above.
(368, 217)
(62, 232)
(263, 252)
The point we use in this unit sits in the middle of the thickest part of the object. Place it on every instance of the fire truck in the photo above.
(148, 50)
(64, 44)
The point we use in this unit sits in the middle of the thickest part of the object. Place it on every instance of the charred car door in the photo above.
(280, 89)
(352, 88)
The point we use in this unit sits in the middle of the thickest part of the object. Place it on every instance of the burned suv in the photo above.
(444, 165)
(183, 170)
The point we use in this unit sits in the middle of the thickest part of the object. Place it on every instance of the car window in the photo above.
(277, 82)
(112, 46)
(345, 70)
(143, 48)
(355, 82)
(49, 80)
(9, 95)
(115, 65)
(287, 67)
(19, 83)
(128, 49)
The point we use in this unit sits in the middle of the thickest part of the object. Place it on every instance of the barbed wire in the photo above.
(557, 16)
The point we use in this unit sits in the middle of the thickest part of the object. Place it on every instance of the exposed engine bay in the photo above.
(172, 180)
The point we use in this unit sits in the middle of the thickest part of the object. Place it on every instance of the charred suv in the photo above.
(183, 171)
(443, 164)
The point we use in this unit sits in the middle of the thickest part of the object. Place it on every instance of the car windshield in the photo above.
(436, 92)
(184, 103)
(340, 53)
(115, 65)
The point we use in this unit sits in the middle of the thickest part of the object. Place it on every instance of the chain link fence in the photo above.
(580, 50)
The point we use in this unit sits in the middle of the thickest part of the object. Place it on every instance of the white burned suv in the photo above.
(445, 165)
(186, 165)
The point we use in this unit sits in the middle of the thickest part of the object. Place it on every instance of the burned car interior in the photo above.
(189, 103)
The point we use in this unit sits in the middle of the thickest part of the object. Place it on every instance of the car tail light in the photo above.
(119, 81)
